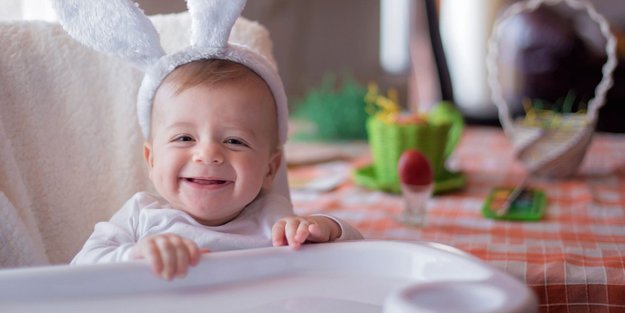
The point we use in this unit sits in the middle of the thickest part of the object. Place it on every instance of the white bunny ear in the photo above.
(116, 27)
(212, 21)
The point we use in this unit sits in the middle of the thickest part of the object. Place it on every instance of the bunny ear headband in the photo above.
(120, 28)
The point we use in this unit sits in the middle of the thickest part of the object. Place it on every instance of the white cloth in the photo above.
(27, 251)
(146, 214)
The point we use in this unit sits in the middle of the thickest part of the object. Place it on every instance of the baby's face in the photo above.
(213, 147)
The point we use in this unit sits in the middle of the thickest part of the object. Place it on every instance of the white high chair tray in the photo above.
(359, 276)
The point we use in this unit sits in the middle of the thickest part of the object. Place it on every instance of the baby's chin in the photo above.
(208, 217)
(211, 211)
(218, 222)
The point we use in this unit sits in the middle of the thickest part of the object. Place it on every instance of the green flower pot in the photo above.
(436, 138)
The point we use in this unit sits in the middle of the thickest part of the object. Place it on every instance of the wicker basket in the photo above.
(556, 151)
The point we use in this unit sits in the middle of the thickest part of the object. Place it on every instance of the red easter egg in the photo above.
(414, 168)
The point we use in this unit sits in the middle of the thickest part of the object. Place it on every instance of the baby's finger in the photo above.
(181, 255)
(169, 256)
(302, 232)
(278, 233)
(290, 232)
(152, 254)
(193, 250)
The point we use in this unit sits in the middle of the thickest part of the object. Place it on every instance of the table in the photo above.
(574, 258)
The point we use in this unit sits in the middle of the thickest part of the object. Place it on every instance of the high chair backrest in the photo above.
(70, 146)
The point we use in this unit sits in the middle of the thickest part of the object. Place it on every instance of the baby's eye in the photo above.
(235, 141)
(183, 138)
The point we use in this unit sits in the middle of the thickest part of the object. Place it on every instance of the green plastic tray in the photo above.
(529, 206)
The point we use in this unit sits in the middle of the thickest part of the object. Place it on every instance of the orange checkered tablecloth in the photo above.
(574, 258)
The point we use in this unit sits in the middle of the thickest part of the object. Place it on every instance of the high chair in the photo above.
(70, 147)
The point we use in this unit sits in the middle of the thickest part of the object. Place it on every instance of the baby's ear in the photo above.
(116, 27)
(274, 165)
(148, 156)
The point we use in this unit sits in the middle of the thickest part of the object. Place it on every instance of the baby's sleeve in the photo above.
(111, 241)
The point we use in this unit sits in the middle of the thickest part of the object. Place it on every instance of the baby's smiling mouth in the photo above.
(203, 181)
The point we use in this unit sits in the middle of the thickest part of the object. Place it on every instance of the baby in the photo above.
(214, 115)
(212, 155)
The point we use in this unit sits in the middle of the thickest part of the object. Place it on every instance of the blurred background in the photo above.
(429, 50)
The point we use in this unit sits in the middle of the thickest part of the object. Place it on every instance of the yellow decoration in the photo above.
(384, 108)
(548, 119)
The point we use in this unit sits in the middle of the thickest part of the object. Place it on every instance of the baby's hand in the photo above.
(169, 254)
(295, 230)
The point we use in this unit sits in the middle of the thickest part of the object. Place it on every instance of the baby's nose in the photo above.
(208, 154)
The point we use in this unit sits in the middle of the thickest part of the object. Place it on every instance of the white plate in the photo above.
(359, 276)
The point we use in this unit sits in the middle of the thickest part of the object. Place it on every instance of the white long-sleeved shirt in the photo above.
(145, 214)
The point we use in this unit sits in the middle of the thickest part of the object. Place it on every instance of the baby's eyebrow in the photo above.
(247, 132)
(178, 124)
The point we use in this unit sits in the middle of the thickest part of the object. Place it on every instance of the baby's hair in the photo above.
(207, 72)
